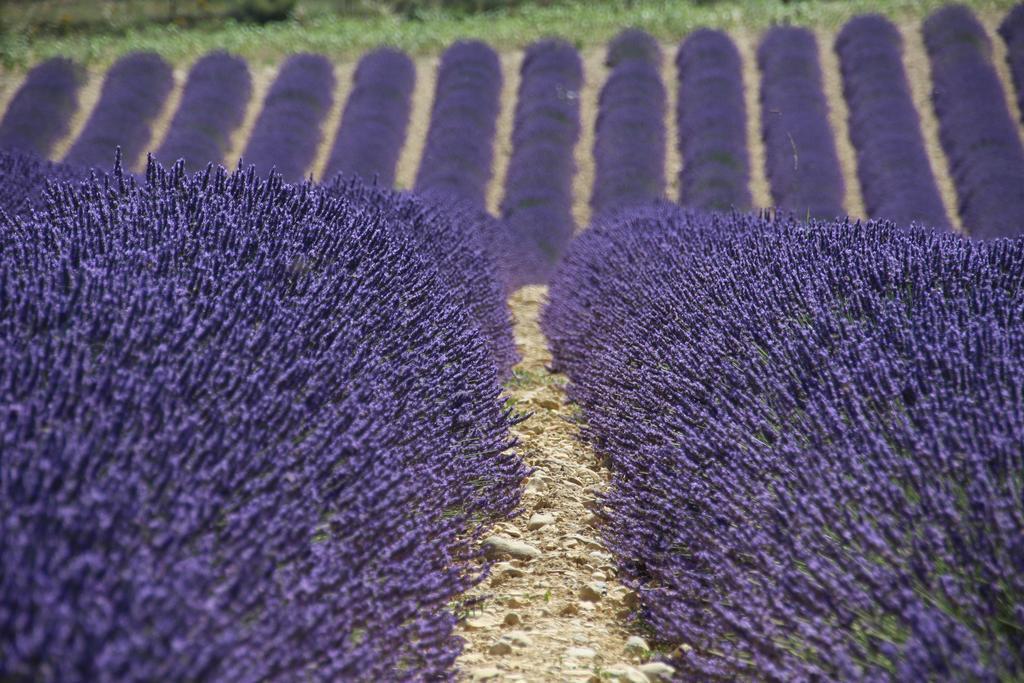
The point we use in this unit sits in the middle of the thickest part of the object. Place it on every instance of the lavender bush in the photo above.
(376, 115)
(629, 142)
(802, 164)
(134, 92)
(24, 178)
(212, 107)
(711, 116)
(976, 129)
(895, 174)
(288, 131)
(537, 206)
(40, 112)
(249, 435)
(1012, 31)
(814, 432)
(458, 150)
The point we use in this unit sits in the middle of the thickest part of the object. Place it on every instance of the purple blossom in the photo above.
(980, 138)
(373, 125)
(892, 164)
(288, 131)
(814, 432)
(802, 164)
(712, 120)
(134, 91)
(212, 107)
(629, 142)
(537, 206)
(24, 178)
(40, 112)
(458, 151)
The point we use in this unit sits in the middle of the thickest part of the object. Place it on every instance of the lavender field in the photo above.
(652, 361)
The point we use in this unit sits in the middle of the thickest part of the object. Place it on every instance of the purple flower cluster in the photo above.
(458, 151)
(212, 107)
(40, 112)
(249, 434)
(1012, 31)
(24, 178)
(537, 206)
(288, 131)
(978, 133)
(712, 120)
(134, 92)
(893, 167)
(802, 163)
(629, 137)
(815, 436)
(376, 115)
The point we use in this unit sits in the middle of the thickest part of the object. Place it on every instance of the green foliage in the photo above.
(265, 11)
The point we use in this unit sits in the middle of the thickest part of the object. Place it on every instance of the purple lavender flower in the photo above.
(24, 178)
(40, 112)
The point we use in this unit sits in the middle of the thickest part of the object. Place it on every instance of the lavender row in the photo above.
(249, 435)
(134, 92)
(458, 151)
(801, 159)
(814, 433)
(376, 115)
(537, 206)
(288, 130)
(711, 117)
(40, 112)
(212, 107)
(24, 178)
(1012, 31)
(977, 132)
(895, 174)
(629, 136)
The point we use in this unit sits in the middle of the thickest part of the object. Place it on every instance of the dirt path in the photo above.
(594, 74)
(262, 77)
(838, 116)
(88, 96)
(162, 122)
(554, 610)
(10, 83)
(673, 159)
(999, 53)
(760, 190)
(419, 122)
(343, 75)
(510, 64)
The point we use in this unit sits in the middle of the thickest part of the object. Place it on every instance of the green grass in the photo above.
(583, 22)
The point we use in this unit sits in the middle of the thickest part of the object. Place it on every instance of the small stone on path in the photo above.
(580, 653)
(657, 670)
(626, 673)
(500, 648)
(539, 520)
(637, 645)
(500, 546)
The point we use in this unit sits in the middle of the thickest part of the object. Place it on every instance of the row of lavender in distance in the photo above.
(711, 117)
(212, 107)
(1012, 31)
(372, 128)
(629, 136)
(979, 136)
(249, 435)
(537, 221)
(288, 130)
(457, 154)
(40, 112)
(814, 433)
(895, 174)
(134, 92)
(800, 151)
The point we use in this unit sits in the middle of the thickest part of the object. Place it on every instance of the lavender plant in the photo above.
(24, 178)
(711, 117)
(134, 91)
(212, 107)
(802, 163)
(1012, 31)
(40, 112)
(376, 115)
(537, 206)
(814, 431)
(288, 131)
(457, 154)
(249, 435)
(980, 137)
(629, 142)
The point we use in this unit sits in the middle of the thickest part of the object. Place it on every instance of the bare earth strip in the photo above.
(760, 191)
(262, 77)
(999, 52)
(552, 609)
(838, 116)
(919, 74)
(343, 74)
(673, 159)
(88, 95)
(9, 85)
(594, 74)
(510, 64)
(162, 123)
(419, 122)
